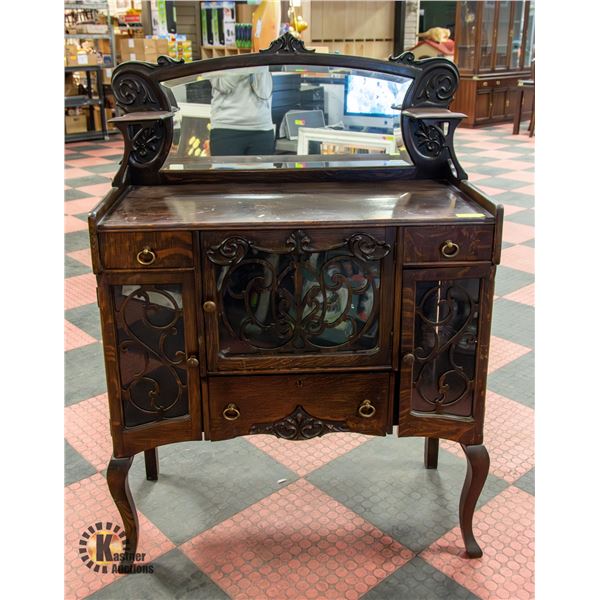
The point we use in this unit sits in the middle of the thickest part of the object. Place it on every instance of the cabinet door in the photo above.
(444, 348)
(151, 352)
(291, 299)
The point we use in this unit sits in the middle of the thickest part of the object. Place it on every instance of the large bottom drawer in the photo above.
(298, 406)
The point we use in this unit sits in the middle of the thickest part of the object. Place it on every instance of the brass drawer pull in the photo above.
(366, 409)
(192, 362)
(146, 256)
(231, 412)
(449, 249)
(209, 306)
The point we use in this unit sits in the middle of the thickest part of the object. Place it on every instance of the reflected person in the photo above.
(241, 122)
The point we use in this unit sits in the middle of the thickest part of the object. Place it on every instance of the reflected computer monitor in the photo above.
(368, 101)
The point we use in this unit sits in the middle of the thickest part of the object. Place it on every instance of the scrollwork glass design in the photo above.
(445, 345)
(298, 298)
(151, 352)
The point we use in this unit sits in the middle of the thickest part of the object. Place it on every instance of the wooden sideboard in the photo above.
(294, 302)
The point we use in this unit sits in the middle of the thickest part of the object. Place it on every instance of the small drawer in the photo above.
(298, 406)
(146, 250)
(448, 244)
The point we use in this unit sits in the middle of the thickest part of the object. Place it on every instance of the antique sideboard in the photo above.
(294, 296)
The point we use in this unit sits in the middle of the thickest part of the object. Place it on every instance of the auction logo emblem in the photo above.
(99, 544)
(103, 547)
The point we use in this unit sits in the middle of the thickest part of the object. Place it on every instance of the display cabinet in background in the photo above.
(494, 48)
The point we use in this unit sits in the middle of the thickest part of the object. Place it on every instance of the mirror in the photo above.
(287, 116)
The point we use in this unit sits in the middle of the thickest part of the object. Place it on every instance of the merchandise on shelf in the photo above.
(148, 49)
(218, 23)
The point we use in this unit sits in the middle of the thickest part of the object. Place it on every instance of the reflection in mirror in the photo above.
(288, 116)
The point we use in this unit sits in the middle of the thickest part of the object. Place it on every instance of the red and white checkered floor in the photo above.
(341, 517)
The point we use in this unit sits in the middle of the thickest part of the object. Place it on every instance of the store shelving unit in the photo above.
(218, 51)
(90, 99)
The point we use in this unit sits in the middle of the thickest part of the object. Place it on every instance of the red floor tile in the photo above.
(516, 233)
(310, 455)
(83, 256)
(75, 337)
(503, 352)
(110, 151)
(476, 176)
(75, 173)
(526, 189)
(92, 161)
(74, 224)
(526, 176)
(510, 209)
(98, 189)
(499, 154)
(525, 295)
(508, 437)
(490, 149)
(297, 543)
(83, 205)
(510, 164)
(519, 257)
(504, 529)
(80, 290)
(87, 430)
(86, 503)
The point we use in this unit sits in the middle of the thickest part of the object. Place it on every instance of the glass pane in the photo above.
(487, 35)
(445, 344)
(517, 34)
(288, 116)
(300, 298)
(502, 35)
(466, 47)
(529, 42)
(151, 352)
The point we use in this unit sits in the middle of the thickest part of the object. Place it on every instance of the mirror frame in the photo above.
(147, 123)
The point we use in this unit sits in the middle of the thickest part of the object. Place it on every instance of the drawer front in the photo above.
(146, 250)
(448, 244)
(499, 82)
(298, 406)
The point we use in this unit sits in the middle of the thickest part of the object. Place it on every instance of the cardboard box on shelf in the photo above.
(76, 123)
(84, 59)
(131, 46)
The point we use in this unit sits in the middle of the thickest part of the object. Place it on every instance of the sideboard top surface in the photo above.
(215, 206)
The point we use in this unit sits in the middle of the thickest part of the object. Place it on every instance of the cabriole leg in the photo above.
(118, 484)
(478, 464)
(151, 460)
(432, 447)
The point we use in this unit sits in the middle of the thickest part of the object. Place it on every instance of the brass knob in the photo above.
(231, 412)
(449, 249)
(497, 82)
(209, 306)
(409, 358)
(366, 409)
(192, 362)
(146, 256)
(484, 84)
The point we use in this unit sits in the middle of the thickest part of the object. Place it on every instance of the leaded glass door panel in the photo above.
(444, 346)
(298, 298)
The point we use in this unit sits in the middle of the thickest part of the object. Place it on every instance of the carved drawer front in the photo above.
(298, 407)
(146, 250)
(290, 299)
(448, 244)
